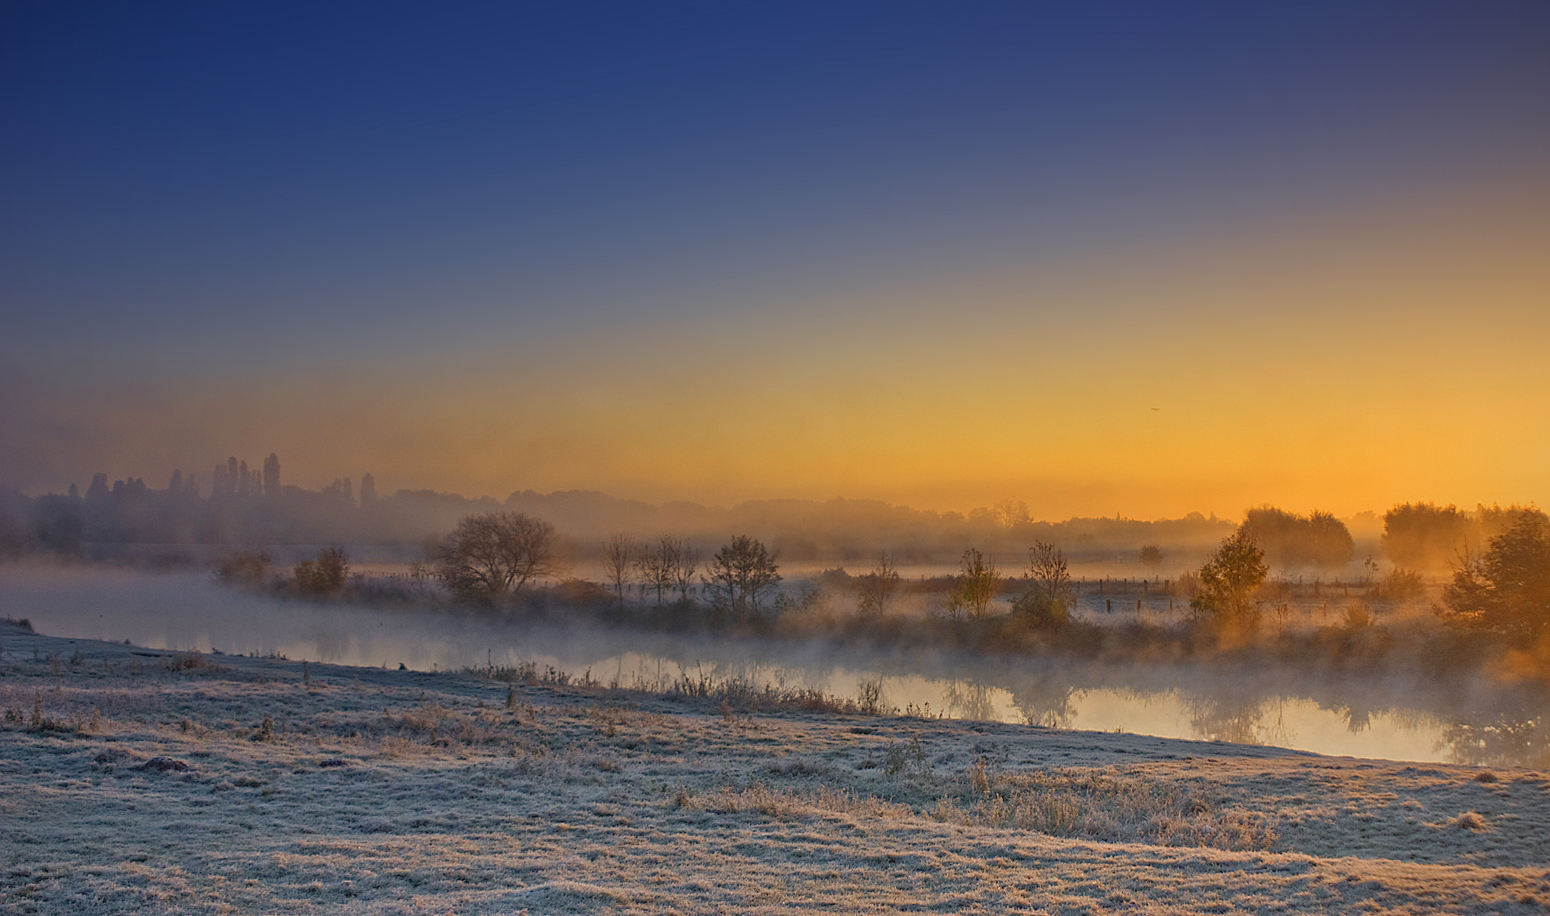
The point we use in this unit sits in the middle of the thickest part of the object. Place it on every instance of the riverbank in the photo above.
(140, 779)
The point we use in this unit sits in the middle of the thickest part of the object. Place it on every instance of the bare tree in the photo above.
(655, 565)
(1010, 514)
(879, 587)
(683, 562)
(976, 588)
(740, 573)
(491, 555)
(619, 553)
(1046, 602)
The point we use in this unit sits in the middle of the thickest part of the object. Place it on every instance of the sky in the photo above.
(1104, 258)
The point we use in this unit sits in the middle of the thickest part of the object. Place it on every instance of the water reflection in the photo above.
(1359, 715)
(1045, 699)
(968, 700)
(1499, 740)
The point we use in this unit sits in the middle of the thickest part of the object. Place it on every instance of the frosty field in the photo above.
(143, 780)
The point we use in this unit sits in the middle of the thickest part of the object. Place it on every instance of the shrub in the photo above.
(323, 576)
(1046, 602)
(973, 591)
(245, 567)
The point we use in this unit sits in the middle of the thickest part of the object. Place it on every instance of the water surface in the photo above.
(1356, 715)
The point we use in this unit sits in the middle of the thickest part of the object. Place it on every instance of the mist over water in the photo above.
(1356, 715)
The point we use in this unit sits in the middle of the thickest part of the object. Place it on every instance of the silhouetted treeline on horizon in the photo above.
(251, 506)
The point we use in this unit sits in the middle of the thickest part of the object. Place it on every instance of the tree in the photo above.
(655, 566)
(879, 586)
(1425, 536)
(976, 587)
(739, 574)
(325, 575)
(619, 554)
(1046, 602)
(1317, 539)
(1507, 588)
(272, 475)
(1010, 514)
(489, 556)
(248, 567)
(1151, 556)
(1227, 583)
(683, 563)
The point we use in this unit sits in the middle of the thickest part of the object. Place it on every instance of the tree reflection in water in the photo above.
(969, 700)
(1245, 717)
(1502, 739)
(1044, 699)
(1457, 712)
(1223, 716)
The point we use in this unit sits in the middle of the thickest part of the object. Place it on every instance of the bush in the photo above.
(325, 575)
(1046, 602)
(245, 567)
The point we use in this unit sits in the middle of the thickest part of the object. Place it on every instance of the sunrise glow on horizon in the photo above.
(1118, 259)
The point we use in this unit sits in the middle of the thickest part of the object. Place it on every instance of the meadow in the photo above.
(139, 779)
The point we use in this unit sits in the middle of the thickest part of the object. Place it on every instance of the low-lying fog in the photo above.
(1364, 716)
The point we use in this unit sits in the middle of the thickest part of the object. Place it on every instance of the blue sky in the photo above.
(256, 194)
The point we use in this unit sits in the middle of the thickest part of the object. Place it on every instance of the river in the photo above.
(1394, 718)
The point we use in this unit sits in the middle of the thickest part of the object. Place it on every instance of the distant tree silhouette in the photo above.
(1291, 540)
(57, 524)
(1425, 536)
(223, 480)
(272, 475)
(489, 556)
(1010, 514)
(1506, 589)
(1151, 556)
(1329, 541)
(739, 574)
(251, 567)
(1228, 581)
(1493, 520)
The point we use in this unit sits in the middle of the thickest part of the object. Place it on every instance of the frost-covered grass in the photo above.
(134, 780)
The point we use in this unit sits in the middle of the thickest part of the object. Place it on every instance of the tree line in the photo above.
(506, 560)
(239, 503)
